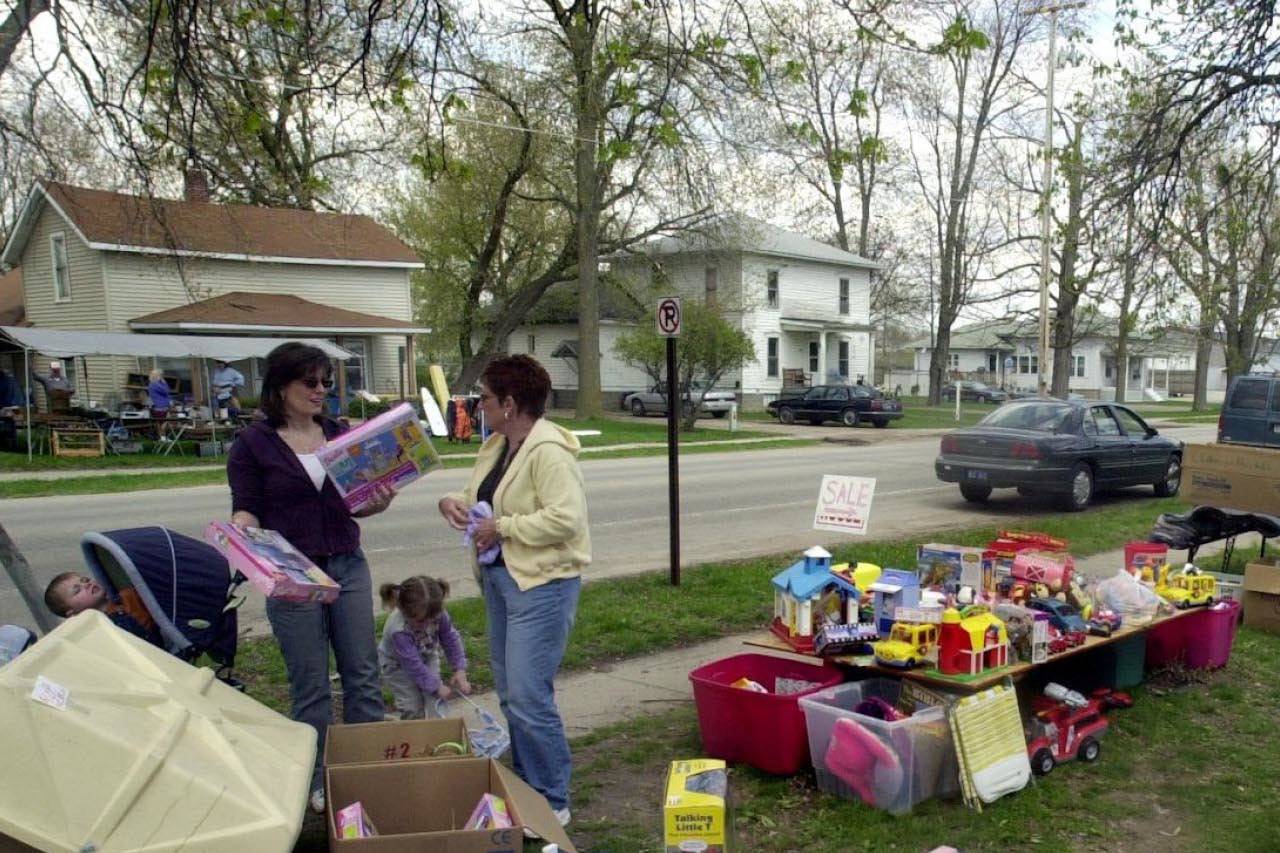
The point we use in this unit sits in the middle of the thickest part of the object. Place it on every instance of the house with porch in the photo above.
(806, 306)
(111, 262)
(1005, 353)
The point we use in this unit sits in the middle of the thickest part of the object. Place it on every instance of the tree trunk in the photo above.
(581, 35)
(19, 572)
(1204, 350)
(1122, 358)
(15, 26)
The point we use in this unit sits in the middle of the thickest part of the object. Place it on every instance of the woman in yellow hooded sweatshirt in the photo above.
(528, 473)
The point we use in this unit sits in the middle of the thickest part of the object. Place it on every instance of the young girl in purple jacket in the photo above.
(417, 632)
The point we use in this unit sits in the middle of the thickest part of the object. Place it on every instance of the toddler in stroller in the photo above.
(178, 589)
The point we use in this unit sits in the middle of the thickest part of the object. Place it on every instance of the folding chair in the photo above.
(170, 435)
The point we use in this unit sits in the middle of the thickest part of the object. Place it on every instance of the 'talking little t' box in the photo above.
(695, 813)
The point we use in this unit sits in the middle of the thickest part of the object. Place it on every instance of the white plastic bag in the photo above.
(1123, 593)
(488, 739)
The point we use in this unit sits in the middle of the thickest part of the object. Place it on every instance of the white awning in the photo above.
(61, 343)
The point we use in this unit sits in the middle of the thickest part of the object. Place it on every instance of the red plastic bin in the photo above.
(1201, 640)
(764, 730)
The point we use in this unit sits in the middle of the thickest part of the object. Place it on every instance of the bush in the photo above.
(915, 390)
(357, 408)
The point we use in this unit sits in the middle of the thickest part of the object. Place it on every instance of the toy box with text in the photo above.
(271, 563)
(395, 740)
(950, 567)
(425, 806)
(391, 449)
(695, 811)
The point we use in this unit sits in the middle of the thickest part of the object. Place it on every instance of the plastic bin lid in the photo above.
(142, 752)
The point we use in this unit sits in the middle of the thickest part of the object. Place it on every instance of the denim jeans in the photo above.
(528, 632)
(306, 630)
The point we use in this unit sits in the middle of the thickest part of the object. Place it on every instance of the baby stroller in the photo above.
(177, 587)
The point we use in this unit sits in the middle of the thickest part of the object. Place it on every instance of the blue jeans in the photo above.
(306, 630)
(528, 632)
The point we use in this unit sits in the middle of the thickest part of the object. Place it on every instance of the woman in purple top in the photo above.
(278, 484)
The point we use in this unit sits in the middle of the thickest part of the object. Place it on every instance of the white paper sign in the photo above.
(48, 693)
(844, 504)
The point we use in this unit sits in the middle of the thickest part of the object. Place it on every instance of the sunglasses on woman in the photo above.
(313, 383)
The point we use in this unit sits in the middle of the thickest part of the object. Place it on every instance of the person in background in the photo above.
(278, 483)
(57, 388)
(528, 473)
(418, 630)
(226, 382)
(161, 397)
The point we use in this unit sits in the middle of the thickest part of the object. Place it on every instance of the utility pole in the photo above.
(1046, 219)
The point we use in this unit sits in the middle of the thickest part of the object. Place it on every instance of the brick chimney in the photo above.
(195, 185)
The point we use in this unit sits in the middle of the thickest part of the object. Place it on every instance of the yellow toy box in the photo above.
(696, 809)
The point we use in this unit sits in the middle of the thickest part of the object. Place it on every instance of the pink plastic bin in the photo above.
(764, 730)
(1202, 640)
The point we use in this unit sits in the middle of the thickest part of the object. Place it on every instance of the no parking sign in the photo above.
(668, 317)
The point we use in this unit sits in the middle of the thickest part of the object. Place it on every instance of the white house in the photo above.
(102, 261)
(806, 306)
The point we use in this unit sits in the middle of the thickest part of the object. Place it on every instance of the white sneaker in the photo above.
(316, 801)
(563, 816)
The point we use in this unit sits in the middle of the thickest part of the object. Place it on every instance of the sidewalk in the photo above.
(657, 683)
(66, 474)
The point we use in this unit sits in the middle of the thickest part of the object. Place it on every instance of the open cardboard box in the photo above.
(395, 740)
(421, 806)
(1262, 594)
(1232, 475)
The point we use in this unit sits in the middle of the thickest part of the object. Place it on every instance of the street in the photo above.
(738, 504)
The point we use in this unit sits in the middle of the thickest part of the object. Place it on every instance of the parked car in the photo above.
(1251, 411)
(979, 391)
(1064, 448)
(653, 402)
(848, 404)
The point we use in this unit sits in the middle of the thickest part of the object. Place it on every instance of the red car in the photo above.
(1060, 641)
(1061, 731)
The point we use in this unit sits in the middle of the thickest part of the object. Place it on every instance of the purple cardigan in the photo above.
(267, 480)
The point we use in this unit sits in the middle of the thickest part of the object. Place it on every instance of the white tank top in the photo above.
(314, 468)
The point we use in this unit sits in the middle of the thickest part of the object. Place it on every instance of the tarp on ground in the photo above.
(144, 752)
(61, 343)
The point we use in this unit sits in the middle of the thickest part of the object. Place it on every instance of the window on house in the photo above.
(844, 296)
(1024, 364)
(533, 344)
(1109, 367)
(712, 284)
(771, 360)
(813, 356)
(1035, 365)
(1077, 367)
(355, 367)
(954, 360)
(844, 359)
(991, 362)
(61, 272)
(771, 292)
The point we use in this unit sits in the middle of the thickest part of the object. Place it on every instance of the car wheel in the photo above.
(1090, 749)
(974, 493)
(881, 423)
(718, 414)
(1168, 487)
(785, 415)
(849, 418)
(637, 408)
(1042, 762)
(1081, 493)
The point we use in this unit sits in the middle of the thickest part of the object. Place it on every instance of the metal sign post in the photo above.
(668, 320)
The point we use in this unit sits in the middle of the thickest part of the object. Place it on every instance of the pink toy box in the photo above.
(270, 563)
(392, 449)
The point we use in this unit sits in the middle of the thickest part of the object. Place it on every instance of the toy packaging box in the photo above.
(695, 811)
(270, 563)
(391, 448)
(954, 565)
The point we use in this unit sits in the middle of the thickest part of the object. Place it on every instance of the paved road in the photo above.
(733, 505)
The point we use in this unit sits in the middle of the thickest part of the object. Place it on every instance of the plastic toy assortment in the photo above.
(1187, 587)
(1066, 725)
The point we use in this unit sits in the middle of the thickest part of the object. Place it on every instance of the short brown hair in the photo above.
(286, 363)
(521, 378)
(53, 597)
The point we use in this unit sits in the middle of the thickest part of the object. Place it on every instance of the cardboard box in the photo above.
(421, 807)
(1262, 595)
(695, 812)
(1233, 476)
(395, 740)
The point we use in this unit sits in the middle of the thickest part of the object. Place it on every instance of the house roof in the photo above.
(13, 311)
(742, 233)
(240, 311)
(803, 584)
(1001, 334)
(117, 222)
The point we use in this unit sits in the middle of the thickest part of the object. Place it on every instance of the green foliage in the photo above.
(962, 39)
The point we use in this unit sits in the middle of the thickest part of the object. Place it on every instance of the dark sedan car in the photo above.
(1065, 448)
(979, 391)
(848, 404)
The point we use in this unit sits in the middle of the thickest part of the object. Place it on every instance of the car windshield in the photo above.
(1039, 416)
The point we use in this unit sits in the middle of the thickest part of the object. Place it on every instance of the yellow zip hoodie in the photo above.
(541, 506)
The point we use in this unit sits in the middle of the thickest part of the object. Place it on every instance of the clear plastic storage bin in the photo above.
(888, 765)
